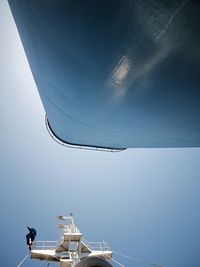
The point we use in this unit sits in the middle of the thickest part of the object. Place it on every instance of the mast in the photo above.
(71, 248)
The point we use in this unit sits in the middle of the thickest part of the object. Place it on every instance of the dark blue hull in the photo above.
(115, 74)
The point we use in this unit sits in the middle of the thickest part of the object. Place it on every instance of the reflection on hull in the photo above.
(116, 74)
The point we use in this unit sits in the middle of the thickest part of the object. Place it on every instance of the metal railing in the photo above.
(98, 246)
(79, 146)
(45, 245)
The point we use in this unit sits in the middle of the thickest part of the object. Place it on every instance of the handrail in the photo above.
(79, 146)
(44, 245)
(100, 246)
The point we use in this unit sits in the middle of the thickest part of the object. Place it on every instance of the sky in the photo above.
(143, 202)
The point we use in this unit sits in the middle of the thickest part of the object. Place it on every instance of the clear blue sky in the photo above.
(144, 202)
